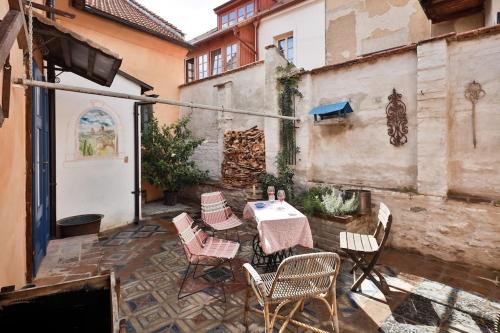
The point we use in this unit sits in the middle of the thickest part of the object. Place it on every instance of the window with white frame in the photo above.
(216, 60)
(231, 56)
(190, 70)
(224, 21)
(203, 66)
(285, 45)
(232, 18)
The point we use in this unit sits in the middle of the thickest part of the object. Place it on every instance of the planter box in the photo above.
(326, 229)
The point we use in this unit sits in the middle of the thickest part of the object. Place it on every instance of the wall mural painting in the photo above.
(97, 135)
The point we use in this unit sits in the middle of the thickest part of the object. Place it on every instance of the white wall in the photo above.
(97, 185)
(492, 7)
(307, 22)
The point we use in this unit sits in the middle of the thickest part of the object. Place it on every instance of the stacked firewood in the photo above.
(244, 157)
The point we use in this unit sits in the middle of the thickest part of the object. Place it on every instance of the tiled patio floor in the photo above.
(426, 295)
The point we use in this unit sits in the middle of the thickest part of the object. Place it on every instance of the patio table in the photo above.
(279, 229)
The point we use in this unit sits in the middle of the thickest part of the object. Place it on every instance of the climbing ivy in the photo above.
(288, 89)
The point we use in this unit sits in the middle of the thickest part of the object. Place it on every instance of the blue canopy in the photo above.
(337, 109)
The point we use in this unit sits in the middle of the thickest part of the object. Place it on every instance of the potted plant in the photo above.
(166, 157)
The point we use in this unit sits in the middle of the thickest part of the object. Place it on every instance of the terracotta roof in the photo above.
(131, 13)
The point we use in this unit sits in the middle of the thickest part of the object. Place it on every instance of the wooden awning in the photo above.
(443, 10)
(74, 53)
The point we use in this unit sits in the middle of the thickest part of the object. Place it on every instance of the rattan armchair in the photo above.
(301, 277)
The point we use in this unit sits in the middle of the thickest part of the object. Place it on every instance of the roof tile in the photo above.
(136, 14)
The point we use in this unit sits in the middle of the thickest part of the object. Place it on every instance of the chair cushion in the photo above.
(358, 243)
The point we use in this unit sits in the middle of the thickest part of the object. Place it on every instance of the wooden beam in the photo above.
(248, 46)
(66, 52)
(91, 62)
(10, 27)
(6, 88)
(51, 10)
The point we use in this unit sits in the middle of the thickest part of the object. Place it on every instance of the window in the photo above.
(285, 46)
(231, 57)
(216, 61)
(250, 10)
(224, 21)
(241, 14)
(232, 18)
(190, 70)
(203, 66)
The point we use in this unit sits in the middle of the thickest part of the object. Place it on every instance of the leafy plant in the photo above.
(334, 204)
(166, 153)
(283, 180)
(288, 89)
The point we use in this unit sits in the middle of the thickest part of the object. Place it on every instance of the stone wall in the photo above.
(443, 193)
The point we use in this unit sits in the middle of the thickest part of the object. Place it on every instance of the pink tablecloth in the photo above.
(279, 229)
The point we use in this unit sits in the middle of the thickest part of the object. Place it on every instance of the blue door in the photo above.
(40, 144)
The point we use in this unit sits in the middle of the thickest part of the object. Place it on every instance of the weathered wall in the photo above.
(420, 180)
(99, 184)
(491, 8)
(357, 27)
(306, 23)
(462, 24)
(475, 171)
(241, 88)
(360, 153)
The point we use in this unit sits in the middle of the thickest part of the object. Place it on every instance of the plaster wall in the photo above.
(157, 62)
(492, 8)
(242, 89)
(306, 23)
(13, 179)
(13, 173)
(95, 185)
(462, 24)
(358, 27)
(360, 153)
(475, 171)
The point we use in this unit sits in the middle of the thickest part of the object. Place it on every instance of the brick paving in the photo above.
(426, 295)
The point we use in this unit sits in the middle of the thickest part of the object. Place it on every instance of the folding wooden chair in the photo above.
(203, 250)
(298, 278)
(365, 250)
(217, 215)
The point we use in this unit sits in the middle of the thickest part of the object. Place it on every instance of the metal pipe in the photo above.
(47, 85)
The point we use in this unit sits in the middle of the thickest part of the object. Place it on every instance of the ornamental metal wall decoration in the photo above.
(397, 123)
(474, 92)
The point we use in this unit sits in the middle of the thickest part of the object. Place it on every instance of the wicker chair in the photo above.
(203, 250)
(298, 278)
(216, 214)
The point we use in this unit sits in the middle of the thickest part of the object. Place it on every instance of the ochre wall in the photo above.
(13, 179)
(157, 62)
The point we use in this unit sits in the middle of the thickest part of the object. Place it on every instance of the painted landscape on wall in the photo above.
(97, 134)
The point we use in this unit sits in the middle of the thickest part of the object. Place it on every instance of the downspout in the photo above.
(137, 157)
(51, 77)
(256, 24)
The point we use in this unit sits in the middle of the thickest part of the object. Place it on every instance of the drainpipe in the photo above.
(137, 156)
(256, 24)
(51, 77)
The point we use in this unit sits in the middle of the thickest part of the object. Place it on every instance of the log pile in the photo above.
(244, 157)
